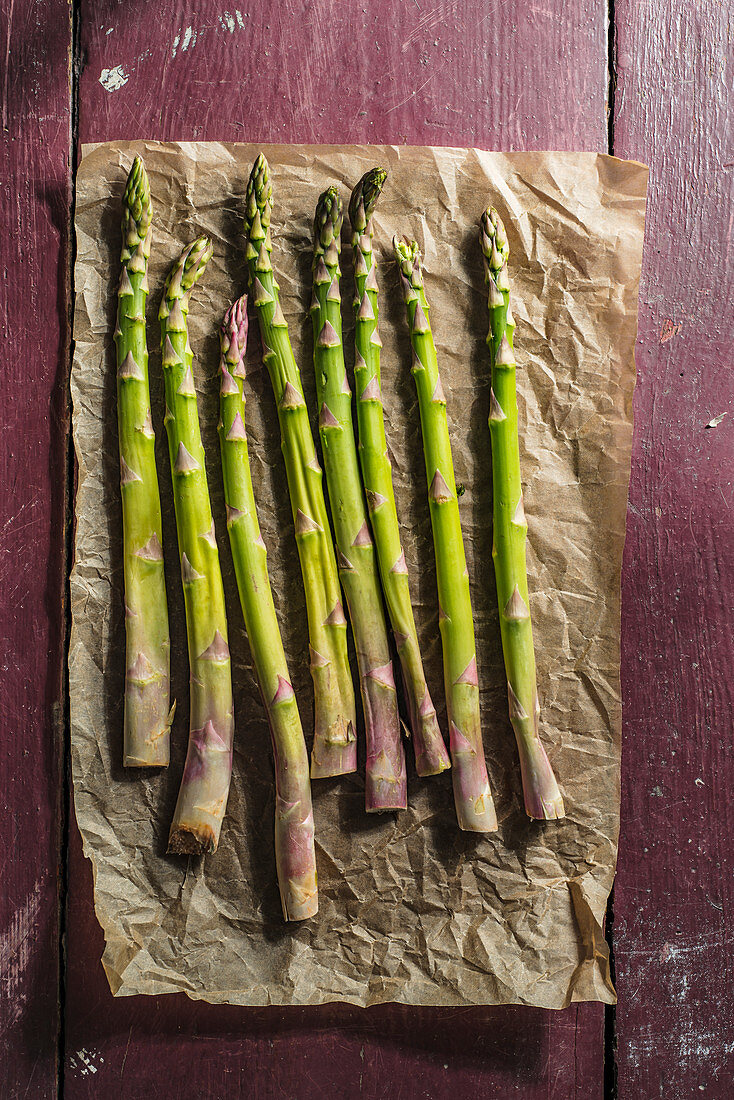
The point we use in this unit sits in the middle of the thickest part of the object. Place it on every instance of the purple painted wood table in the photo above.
(500, 74)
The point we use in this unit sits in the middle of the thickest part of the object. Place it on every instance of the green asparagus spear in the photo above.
(431, 756)
(334, 747)
(474, 805)
(385, 776)
(147, 659)
(202, 798)
(294, 844)
(542, 797)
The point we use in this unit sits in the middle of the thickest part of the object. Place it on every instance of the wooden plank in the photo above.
(462, 73)
(35, 199)
(132, 1047)
(675, 887)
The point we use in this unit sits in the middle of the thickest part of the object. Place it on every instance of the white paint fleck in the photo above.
(189, 39)
(113, 79)
(109, 30)
(83, 1060)
(716, 420)
(240, 20)
(227, 22)
(176, 41)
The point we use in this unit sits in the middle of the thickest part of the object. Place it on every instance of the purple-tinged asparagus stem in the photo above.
(202, 799)
(294, 829)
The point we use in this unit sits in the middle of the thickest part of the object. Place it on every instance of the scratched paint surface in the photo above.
(461, 72)
(34, 235)
(674, 898)
(413, 72)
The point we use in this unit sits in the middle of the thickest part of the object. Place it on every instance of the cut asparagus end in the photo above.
(192, 840)
(543, 799)
(334, 751)
(431, 754)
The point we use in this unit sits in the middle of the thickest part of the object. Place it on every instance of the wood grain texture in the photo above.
(35, 195)
(476, 72)
(674, 897)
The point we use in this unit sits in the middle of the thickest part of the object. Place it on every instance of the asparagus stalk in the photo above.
(334, 747)
(431, 756)
(474, 805)
(197, 820)
(385, 776)
(542, 797)
(147, 720)
(294, 844)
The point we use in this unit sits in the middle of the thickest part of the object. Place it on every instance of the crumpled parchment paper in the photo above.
(411, 910)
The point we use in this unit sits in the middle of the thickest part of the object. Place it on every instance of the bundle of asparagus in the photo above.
(363, 508)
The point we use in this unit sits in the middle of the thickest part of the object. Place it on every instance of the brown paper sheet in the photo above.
(411, 910)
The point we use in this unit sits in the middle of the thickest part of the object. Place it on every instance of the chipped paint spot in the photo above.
(113, 79)
(668, 330)
(227, 22)
(716, 420)
(83, 1061)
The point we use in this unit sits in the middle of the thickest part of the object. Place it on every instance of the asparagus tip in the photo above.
(364, 198)
(493, 238)
(328, 219)
(258, 195)
(233, 333)
(137, 204)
